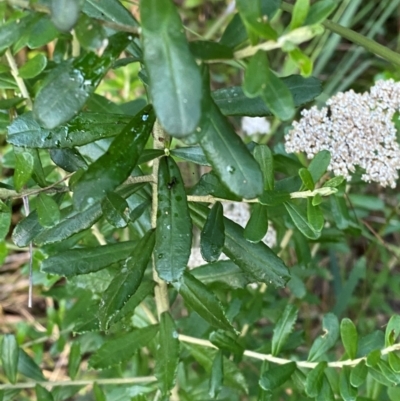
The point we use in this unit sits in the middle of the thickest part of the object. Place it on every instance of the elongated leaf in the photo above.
(5, 221)
(199, 298)
(174, 226)
(139, 210)
(42, 394)
(300, 11)
(256, 260)
(283, 328)
(276, 375)
(9, 33)
(47, 209)
(33, 67)
(319, 164)
(210, 184)
(233, 102)
(68, 159)
(125, 283)
(326, 393)
(84, 128)
(257, 226)
(315, 380)
(87, 260)
(175, 81)
(255, 75)
(315, 216)
(71, 225)
(26, 230)
(394, 362)
(327, 340)
(98, 393)
(9, 357)
(307, 179)
(64, 14)
(348, 332)
(193, 154)
(235, 33)
(392, 330)
(167, 354)
(264, 158)
(114, 206)
(114, 167)
(226, 341)
(319, 11)
(209, 50)
(24, 165)
(28, 367)
(213, 234)
(347, 391)
(274, 198)
(217, 375)
(120, 349)
(300, 220)
(74, 359)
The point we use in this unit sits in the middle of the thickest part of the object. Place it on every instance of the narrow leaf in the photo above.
(42, 394)
(283, 328)
(348, 332)
(98, 393)
(347, 391)
(392, 330)
(74, 359)
(315, 380)
(24, 165)
(26, 230)
(113, 207)
(300, 11)
(209, 50)
(226, 341)
(68, 159)
(315, 216)
(193, 154)
(257, 226)
(319, 164)
(263, 156)
(255, 77)
(47, 210)
(276, 376)
(28, 367)
(9, 357)
(217, 375)
(307, 179)
(300, 220)
(320, 11)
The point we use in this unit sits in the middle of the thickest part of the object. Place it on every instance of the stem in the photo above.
(161, 289)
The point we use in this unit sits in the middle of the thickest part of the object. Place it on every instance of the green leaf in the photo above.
(347, 391)
(33, 67)
(256, 260)
(348, 332)
(64, 14)
(84, 128)
(264, 158)
(257, 226)
(306, 177)
(69, 226)
(113, 207)
(167, 358)
(392, 330)
(26, 229)
(319, 164)
(5, 220)
(315, 380)
(208, 50)
(300, 220)
(315, 216)
(274, 198)
(326, 393)
(299, 14)
(175, 81)
(388, 372)
(174, 226)
(334, 182)
(9, 34)
(255, 76)
(47, 210)
(87, 260)
(373, 358)
(9, 357)
(394, 362)
(74, 359)
(98, 393)
(233, 102)
(122, 348)
(235, 33)
(228, 155)
(210, 184)
(226, 341)
(217, 375)
(303, 62)
(320, 11)
(41, 32)
(115, 166)
(276, 375)
(139, 210)
(42, 394)
(213, 234)
(193, 154)
(68, 159)
(127, 281)
(327, 340)
(24, 164)
(283, 328)
(200, 299)
(6, 104)
(28, 367)
(110, 11)
(358, 374)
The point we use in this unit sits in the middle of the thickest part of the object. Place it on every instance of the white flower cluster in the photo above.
(255, 125)
(240, 214)
(357, 129)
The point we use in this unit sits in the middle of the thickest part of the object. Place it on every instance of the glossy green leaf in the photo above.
(233, 102)
(347, 391)
(174, 226)
(5, 220)
(228, 155)
(64, 14)
(208, 50)
(6, 104)
(47, 210)
(307, 179)
(348, 332)
(315, 379)
(139, 210)
(9, 34)
(113, 207)
(274, 198)
(264, 158)
(326, 393)
(303, 62)
(394, 362)
(90, 33)
(98, 393)
(114, 167)
(319, 164)
(387, 371)
(319, 11)
(299, 14)
(9, 357)
(175, 81)
(110, 11)
(127, 281)
(69, 226)
(256, 260)
(26, 230)
(68, 159)
(392, 330)
(87, 260)
(74, 359)
(41, 32)
(283, 328)
(213, 234)
(203, 301)
(217, 375)
(255, 75)
(84, 128)
(315, 216)
(33, 67)
(257, 226)
(276, 376)
(122, 348)
(373, 358)
(235, 33)
(167, 358)
(24, 164)
(193, 154)
(358, 374)
(226, 341)
(300, 219)
(28, 367)
(210, 184)
(327, 340)
(334, 182)
(42, 394)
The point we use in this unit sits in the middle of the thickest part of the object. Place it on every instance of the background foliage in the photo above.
(116, 137)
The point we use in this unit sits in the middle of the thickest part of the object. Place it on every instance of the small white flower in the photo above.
(255, 125)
